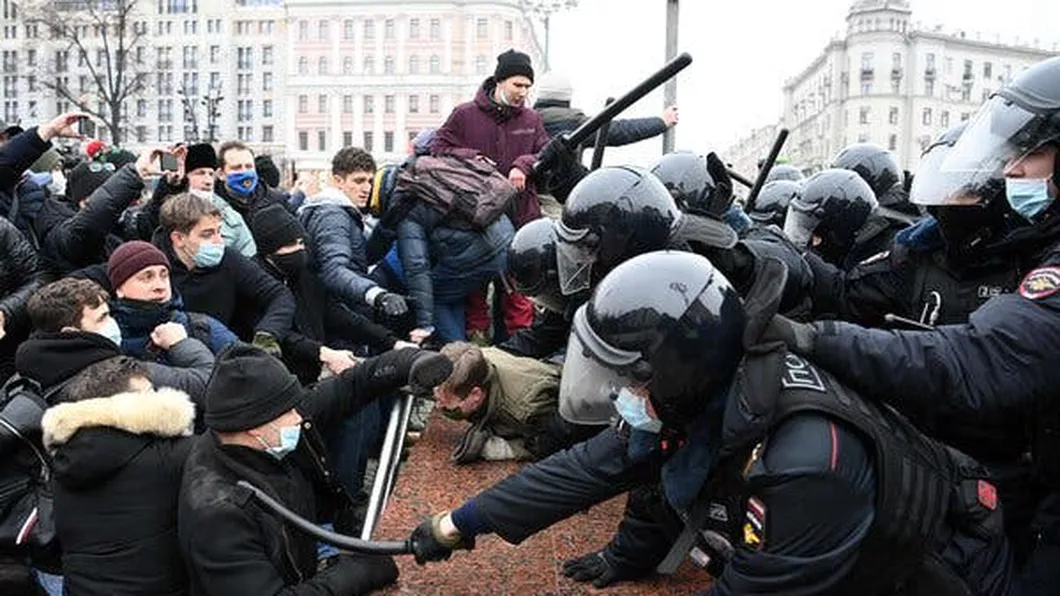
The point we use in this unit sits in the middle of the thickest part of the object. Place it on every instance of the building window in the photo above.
(322, 104)
(866, 87)
(347, 65)
(369, 29)
(986, 94)
(944, 119)
(215, 54)
(414, 64)
(414, 28)
(925, 118)
(480, 64)
(863, 115)
(368, 138)
(303, 104)
(482, 28)
(388, 104)
(266, 134)
(347, 104)
(303, 30)
(896, 61)
(369, 104)
(929, 88)
(436, 29)
(866, 61)
(414, 104)
(322, 65)
(892, 116)
(436, 65)
(435, 102)
(896, 86)
(266, 81)
(509, 30)
(892, 142)
(303, 65)
(347, 29)
(388, 29)
(347, 138)
(388, 65)
(267, 55)
(322, 140)
(966, 93)
(965, 116)
(141, 134)
(141, 108)
(303, 140)
(266, 108)
(369, 65)
(988, 70)
(949, 65)
(323, 30)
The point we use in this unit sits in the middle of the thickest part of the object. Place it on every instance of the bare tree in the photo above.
(103, 36)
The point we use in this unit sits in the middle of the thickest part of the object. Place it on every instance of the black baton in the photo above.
(766, 167)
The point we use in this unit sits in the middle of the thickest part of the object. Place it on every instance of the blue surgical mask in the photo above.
(209, 254)
(111, 331)
(242, 183)
(634, 410)
(289, 437)
(1028, 196)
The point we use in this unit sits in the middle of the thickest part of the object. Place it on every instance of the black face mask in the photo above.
(966, 227)
(291, 265)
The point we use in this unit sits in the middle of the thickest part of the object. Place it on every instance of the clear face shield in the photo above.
(575, 255)
(799, 224)
(588, 386)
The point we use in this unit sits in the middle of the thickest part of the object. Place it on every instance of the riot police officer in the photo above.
(784, 171)
(878, 167)
(771, 205)
(1001, 367)
(830, 499)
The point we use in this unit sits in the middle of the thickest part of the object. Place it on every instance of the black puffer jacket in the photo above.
(73, 238)
(20, 276)
(118, 466)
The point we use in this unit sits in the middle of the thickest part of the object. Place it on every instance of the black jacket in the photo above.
(73, 238)
(232, 545)
(16, 156)
(262, 197)
(20, 276)
(118, 462)
(237, 292)
(559, 118)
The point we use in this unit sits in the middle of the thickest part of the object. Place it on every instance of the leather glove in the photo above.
(268, 343)
(597, 568)
(360, 574)
(559, 170)
(799, 337)
(721, 196)
(428, 543)
(391, 304)
(428, 370)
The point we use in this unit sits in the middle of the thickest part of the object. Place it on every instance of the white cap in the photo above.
(553, 87)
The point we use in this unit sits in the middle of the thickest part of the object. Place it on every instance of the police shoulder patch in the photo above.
(799, 374)
(754, 528)
(1041, 283)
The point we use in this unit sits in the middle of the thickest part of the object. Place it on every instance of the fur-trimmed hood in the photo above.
(164, 412)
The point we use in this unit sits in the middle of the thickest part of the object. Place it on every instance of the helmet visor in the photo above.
(574, 259)
(799, 225)
(588, 386)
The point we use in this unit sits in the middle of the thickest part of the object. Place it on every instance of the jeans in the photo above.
(52, 585)
(356, 440)
(451, 289)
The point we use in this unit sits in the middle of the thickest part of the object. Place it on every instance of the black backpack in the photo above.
(470, 192)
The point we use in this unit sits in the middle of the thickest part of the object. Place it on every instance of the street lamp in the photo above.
(543, 10)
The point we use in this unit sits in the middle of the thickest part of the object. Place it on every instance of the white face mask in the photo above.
(202, 194)
(111, 331)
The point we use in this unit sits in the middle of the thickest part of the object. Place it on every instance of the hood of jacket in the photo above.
(329, 196)
(93, 439)
(52, 358)
(499, 112)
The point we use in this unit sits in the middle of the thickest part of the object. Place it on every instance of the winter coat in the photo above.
(118, 463)
(234, 229)
(236, 292)
(16, 156)
(20, 276)
(234, 546)
(425, 241)
(72, 238)
(337, 246)
(559, 118)
(138, 319)
(511, 136)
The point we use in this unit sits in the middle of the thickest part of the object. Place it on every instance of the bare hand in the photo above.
(3, 324)
(418, 335)
(669, 116)
(167, 335)
(517, 178)
(65, 126)
(401, 345)
(180, 152)
(146, 163)
(337, 361)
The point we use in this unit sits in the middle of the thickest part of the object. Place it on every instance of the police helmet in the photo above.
(532, 267)
(771, 204)
(833, 205)
(783, 171)
(875, 165)
(612, 214)
(686, 176)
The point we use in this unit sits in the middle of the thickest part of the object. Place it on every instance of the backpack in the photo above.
(26, 515)
(470, 192)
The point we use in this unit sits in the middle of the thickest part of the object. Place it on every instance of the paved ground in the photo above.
(428, 483)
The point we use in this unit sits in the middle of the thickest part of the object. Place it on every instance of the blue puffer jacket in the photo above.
(425, 242)
(337, 246)
(138, 319)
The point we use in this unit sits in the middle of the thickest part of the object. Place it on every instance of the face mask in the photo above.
(453, 414)
(634, 410)
(242, 183)
(202, 194)
(289, 437)
(1028, 196)
(58, 184)
(111, 331)
(209, 255)
(290, 264)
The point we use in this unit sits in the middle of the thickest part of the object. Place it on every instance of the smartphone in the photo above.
(168, 162)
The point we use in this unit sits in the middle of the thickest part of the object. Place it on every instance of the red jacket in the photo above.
(511, 136)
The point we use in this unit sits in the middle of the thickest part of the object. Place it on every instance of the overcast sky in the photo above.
(743, 50)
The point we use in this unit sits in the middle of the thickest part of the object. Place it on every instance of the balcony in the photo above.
(867, 74)
(929, 73)
(896, 74)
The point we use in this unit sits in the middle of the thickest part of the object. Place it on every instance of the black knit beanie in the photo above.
(248, 389)
(513, 63)
(273, 228)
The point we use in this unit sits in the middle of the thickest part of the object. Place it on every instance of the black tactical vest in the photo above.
(941, 296)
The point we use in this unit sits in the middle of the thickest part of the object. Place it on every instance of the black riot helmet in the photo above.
(612, 214)
(875, 165)
(532, 267)
(833, 205)
(785, 171)
(771, 205)
(686, 176)
(667, 321)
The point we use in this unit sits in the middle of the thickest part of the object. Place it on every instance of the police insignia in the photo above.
(1041, 283)
(754, 530)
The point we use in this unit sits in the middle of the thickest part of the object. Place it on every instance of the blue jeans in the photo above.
(52, 585)
(451, 288)
(355, 441)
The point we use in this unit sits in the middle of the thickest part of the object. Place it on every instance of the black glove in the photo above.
(722, 193)
(560, 170)
(428, 544)
(391, 304)
(799, 337)
(597, 568)
(429, 370)
(359, 574)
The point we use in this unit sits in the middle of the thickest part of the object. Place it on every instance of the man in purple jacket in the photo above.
(499, 127)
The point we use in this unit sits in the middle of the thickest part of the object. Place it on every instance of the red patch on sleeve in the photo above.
(987, 495)
(1041, 283)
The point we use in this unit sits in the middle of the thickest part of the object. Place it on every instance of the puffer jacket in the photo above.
(20, 276)
(337, 246)
(511, 136)
(19, 202)
(73, 238)
(138, 319)
(118, 465)
(425, 241)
